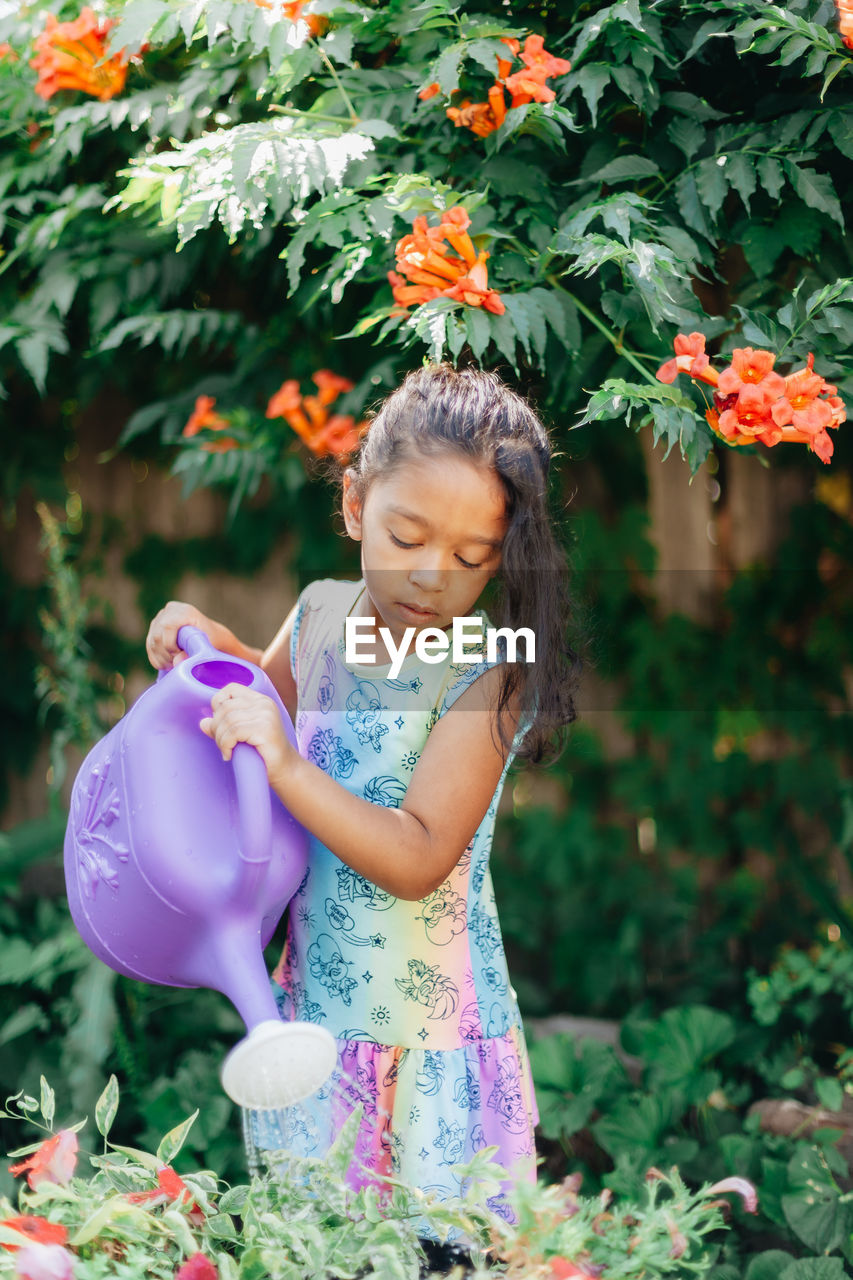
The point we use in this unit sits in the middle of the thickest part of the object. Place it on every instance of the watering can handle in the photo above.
(250, 775)
(193, 641)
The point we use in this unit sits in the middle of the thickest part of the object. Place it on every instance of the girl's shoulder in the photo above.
(321, 609)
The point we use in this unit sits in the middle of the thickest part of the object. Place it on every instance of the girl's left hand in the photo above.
(244, 715)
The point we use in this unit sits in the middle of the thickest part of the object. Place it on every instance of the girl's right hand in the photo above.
(161, 643)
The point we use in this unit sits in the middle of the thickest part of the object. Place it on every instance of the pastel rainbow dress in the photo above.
(416, 994)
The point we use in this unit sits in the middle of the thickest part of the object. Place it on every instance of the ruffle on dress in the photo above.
(424, 1112)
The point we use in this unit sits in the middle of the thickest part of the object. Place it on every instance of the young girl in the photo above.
(393, 941)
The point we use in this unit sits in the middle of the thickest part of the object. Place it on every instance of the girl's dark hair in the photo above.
(437, 408)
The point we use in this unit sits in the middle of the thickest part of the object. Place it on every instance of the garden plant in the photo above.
(227, 228)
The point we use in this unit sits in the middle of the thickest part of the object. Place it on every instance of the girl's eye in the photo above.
(408, 546)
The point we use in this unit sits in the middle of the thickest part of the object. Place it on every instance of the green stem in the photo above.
(608, 333)
(341, 90)
(310, 115)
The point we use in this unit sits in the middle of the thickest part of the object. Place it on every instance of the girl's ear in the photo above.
(352, 506)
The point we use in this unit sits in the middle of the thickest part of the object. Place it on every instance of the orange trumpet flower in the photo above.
(425, 261)
(754, 403)
(323, 433)
(72, 55)
(203, 418)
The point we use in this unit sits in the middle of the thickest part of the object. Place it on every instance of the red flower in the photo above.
(53, 1162)
(203, 418)
(749, 367)
(539, 65)
(754, 403)
(481, 118)
(537, 58)
(689, 358)
(309, 416)
(170, 1189)
(563, 1269)
(524, 86)
(528, 86)
(331, 385)
(35, 1229)
(425, 260)
(72, 55)
(197, 1267)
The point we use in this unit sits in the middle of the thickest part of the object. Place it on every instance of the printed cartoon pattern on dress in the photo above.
(444, 914)
(426, 985)
(328, 965)
(386, 791)
(326, 687)
(416, 994)
(364, 709)
(328, 752)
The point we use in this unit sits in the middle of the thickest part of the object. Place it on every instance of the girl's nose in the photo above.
(429, 575)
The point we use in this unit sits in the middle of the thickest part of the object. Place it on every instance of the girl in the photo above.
(393, 941)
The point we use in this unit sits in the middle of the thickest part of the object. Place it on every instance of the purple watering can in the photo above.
(179, 866)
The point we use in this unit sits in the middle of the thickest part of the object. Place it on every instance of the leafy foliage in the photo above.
(691, 173)
(300, 1217)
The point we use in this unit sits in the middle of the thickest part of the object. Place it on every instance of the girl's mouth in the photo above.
(417, 612)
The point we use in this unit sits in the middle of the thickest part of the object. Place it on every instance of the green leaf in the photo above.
(768, 1265)
(771, 175)
(682, 1041)
(504, 337)
(740, 175)
(106, 1107)
(591, 79)
(815, 1269)
(711, 183)
(687, 134)
(138, 21)
(517, 312)
(478, 331)
(114, 1207)
(623, 168)
(175, 1139)
(47, 1102)
(689, 204)
(816, 190)
(446, 69)
(815, 1210)
(829, 1089)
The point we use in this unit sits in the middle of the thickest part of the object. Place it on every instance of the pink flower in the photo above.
(53, 1162)
(197, 1267)
(743, 1188)
(44, 1262)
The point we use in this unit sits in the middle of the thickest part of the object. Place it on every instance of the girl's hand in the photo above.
(244, 715)
(161, 643)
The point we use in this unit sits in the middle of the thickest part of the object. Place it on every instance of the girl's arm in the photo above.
(409, 851)
(163, 651)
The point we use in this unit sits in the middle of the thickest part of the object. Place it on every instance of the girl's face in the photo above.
(431, 534)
